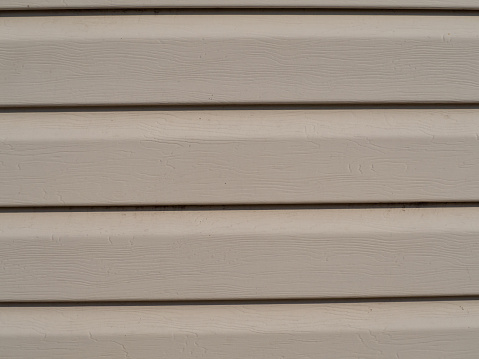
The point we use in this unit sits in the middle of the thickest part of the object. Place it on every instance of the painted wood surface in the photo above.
(238, 157)
(427, 330)
(208, 59)
(102, 4)
(239, 254)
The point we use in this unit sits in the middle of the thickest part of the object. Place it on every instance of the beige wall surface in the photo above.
(239, 254)
(273, 167)
(121, 4)
(238, 59)
(426, 330)
(238, 157)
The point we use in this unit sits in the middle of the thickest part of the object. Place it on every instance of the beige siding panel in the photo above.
(238, 157)
(426, 330)
(211, 59)
(239, 254)
(108, 4)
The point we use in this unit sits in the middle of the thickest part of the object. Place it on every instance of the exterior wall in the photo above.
(220, 59)
(136, 4)
(239, 183)
(366, 330)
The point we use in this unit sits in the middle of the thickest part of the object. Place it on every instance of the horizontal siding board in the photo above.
(427, 330)
(239, 254)
(108, 4)
(208, 59)
(238, 157)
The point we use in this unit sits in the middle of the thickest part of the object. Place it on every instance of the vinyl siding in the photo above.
(252, 179)
(239, 254)
(238, 59)
(238, 157)
(139, 4)
(427, 330)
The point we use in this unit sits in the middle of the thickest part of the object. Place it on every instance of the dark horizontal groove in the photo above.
(248, 207)
(237, 11)
(290, 301)
(242, 107)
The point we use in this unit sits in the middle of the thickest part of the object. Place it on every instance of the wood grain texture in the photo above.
(108, 4)
(208, 59)
(239, 254)
(238, 157)
(427, 330)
